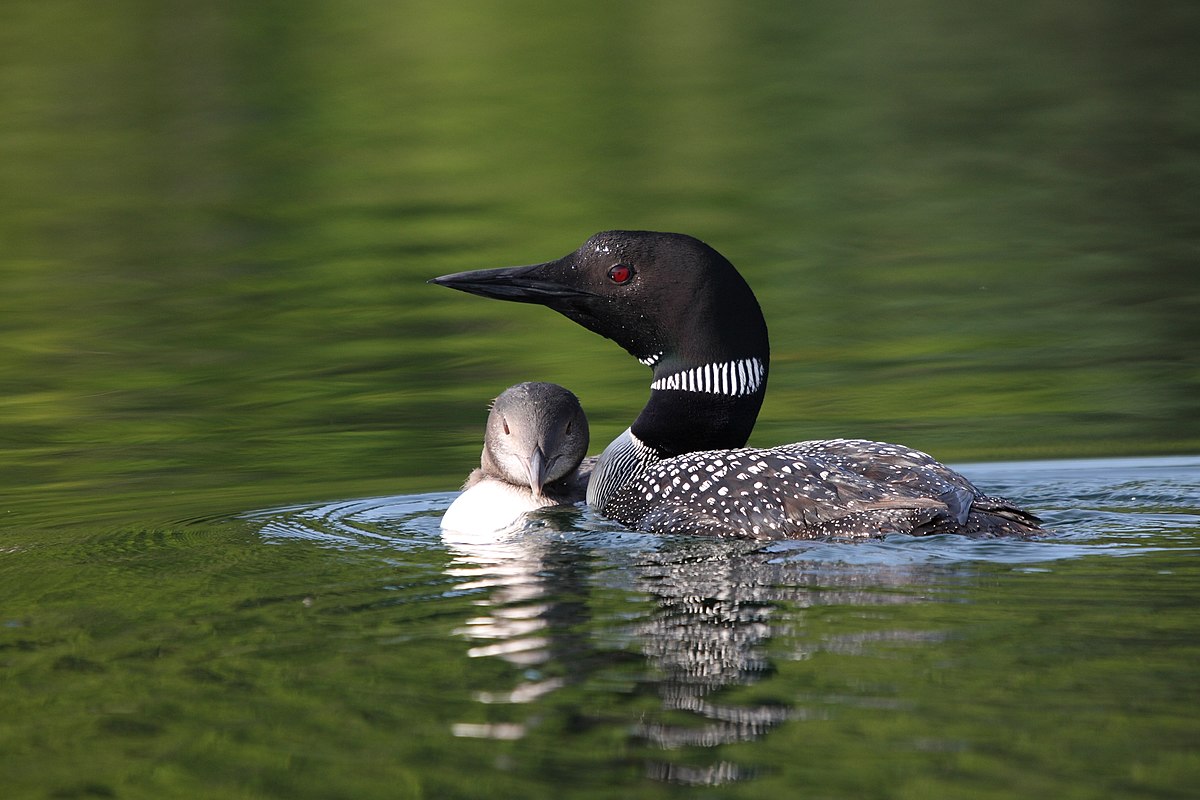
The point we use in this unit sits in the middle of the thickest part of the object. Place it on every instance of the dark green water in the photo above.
(231, 410)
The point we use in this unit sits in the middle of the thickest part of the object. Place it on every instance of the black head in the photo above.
(674, 303)
(661, 296)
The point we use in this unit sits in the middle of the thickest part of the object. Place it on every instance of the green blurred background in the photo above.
(973, 229)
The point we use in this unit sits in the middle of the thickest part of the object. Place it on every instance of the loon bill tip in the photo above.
(528, 284)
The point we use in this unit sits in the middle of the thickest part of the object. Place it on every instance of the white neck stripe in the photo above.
(734, 378)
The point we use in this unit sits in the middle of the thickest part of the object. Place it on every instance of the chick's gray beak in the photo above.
(537, 467)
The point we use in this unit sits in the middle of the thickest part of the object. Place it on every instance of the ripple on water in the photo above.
(692, 637)
(393, 522)
(1103, 506)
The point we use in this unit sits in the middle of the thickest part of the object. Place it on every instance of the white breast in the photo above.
(490, 507)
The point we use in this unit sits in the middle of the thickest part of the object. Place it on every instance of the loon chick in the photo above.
(683, 310)
(536, 437)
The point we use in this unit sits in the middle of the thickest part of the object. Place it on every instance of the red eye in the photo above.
(620, 274)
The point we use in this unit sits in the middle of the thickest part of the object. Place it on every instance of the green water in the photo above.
(972, 229)
(345, 650)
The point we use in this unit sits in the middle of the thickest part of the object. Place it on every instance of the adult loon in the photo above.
(683, 310)
(535, 438)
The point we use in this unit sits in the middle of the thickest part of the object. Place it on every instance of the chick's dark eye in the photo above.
(620, 274)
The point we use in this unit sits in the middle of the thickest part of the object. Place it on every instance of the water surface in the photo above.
(231, 409)
(346, 649)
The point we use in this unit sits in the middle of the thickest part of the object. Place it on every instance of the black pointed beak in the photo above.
(532, 284)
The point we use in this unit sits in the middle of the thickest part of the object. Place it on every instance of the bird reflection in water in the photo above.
(572, 602)
(714, 607)
(526, 608)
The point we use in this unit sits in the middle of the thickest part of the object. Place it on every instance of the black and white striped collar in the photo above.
(732, 378)
(624, 459)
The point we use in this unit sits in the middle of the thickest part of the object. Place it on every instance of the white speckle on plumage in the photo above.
(838, 487)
